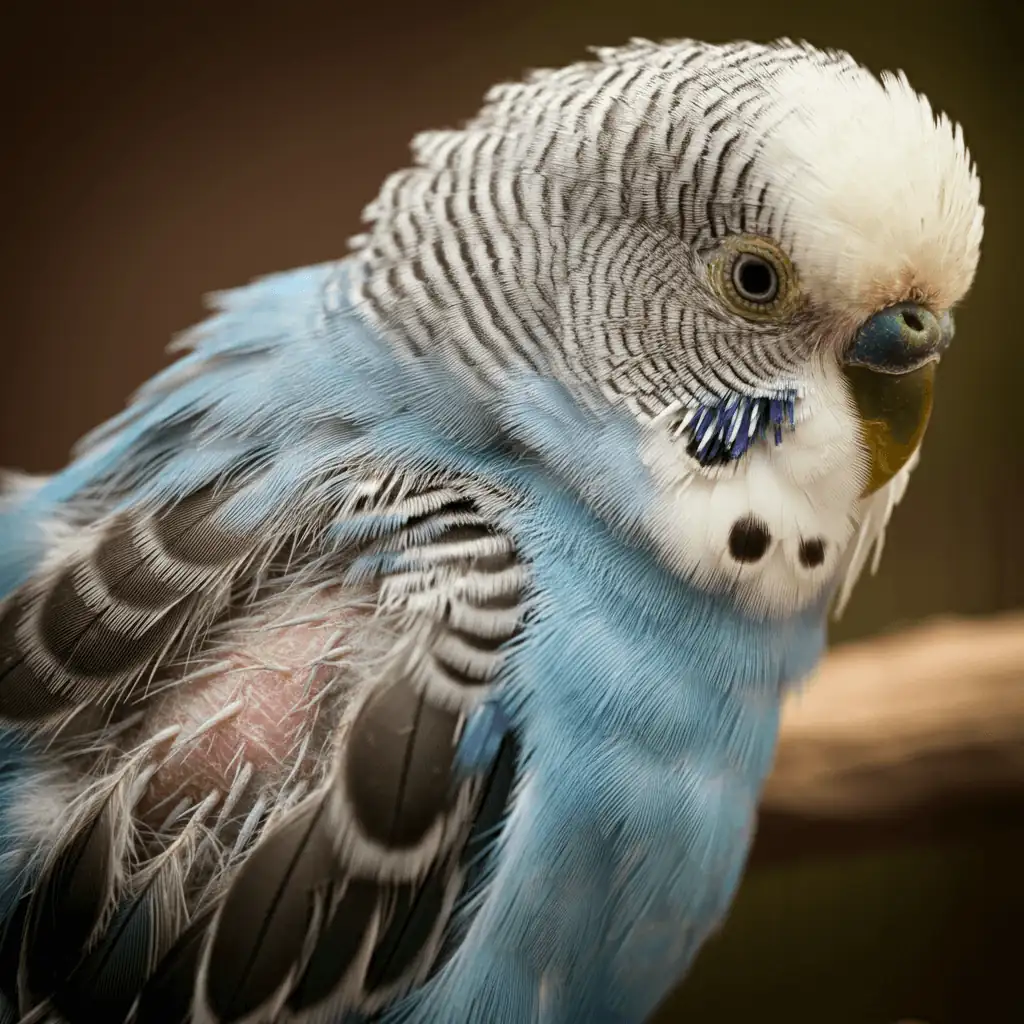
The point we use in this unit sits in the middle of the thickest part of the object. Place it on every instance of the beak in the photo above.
(890, 368)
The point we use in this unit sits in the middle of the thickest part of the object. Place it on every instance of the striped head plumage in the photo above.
(754, 249)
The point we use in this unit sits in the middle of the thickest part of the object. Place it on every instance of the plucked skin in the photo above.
(412, 649)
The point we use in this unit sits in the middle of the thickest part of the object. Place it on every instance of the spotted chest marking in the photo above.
(750, 539)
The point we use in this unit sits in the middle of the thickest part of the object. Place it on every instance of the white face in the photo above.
(772, 527)
(880, 207)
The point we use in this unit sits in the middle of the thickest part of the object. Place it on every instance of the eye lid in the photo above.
(730, 254)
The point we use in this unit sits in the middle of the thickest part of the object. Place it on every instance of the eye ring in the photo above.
(755, 278)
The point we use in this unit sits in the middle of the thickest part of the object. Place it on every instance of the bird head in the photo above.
(753, 250)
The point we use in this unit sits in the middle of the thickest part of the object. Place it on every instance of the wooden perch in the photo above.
(901, 721)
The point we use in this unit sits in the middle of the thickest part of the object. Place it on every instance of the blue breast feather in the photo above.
(647, 709)
(648, 712)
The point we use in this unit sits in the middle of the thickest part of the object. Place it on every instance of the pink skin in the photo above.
(275, 670)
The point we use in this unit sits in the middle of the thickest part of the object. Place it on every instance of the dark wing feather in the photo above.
(416, 912)
(398, 764)
(105, 983)
(495, 797)
(168, 995)
(263, 929)
(84, 632)
(74, 892)
(343, 904)
(11, 942)
(343, 941)
(400, 785)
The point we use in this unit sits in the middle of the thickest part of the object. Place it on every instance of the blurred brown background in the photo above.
(154, 152)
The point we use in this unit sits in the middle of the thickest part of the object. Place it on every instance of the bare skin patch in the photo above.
(259, 712)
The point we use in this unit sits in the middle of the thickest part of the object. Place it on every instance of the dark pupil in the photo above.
(755, 278)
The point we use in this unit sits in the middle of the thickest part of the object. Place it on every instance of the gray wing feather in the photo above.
(342, 901)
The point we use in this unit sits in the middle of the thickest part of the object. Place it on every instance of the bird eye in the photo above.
(754, 278)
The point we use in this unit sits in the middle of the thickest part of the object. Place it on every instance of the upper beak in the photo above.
(890, 367)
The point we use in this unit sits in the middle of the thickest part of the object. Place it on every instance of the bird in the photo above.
(411, 649)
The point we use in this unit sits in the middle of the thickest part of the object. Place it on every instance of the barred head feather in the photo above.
(565, 226)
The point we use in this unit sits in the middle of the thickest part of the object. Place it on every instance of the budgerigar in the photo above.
(412, 649)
